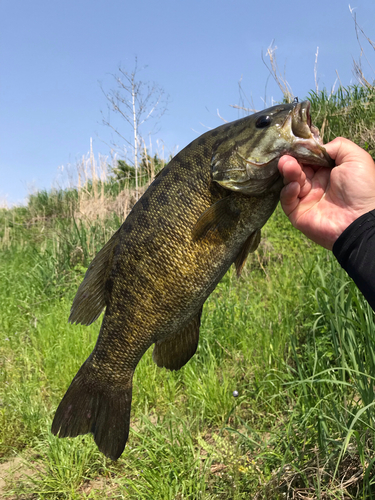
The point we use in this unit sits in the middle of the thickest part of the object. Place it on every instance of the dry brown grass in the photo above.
(101, 208)
(93, 203)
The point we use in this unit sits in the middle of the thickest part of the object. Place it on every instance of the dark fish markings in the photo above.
(145, 203)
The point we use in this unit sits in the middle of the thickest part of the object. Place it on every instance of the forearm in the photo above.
(355, 251)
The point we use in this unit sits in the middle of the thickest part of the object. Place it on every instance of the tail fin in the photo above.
(89, 406)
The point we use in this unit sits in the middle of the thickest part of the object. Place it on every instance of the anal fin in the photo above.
(250, 245)
(174, 352)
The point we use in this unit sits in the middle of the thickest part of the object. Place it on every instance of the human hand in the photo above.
(321, 202)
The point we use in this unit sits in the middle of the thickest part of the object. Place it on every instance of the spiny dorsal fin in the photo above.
(219, 216)
(250, 245)
(174, 352)
(90, 299)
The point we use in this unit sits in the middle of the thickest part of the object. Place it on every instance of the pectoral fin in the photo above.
(90, 297)
(219, 217)
(251, 244)
(174, 352)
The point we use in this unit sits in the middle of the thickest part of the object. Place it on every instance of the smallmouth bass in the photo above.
(202, 213)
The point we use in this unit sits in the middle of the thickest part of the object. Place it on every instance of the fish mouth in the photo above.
(306, 136)
(301, 122)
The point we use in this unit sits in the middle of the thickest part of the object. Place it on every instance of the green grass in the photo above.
(349, 112)
(293, 336)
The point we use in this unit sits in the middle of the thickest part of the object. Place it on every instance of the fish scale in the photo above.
(203, 212)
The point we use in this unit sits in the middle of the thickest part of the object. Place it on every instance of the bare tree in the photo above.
(135, 102)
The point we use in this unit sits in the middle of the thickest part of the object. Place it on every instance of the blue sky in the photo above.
(54, 53)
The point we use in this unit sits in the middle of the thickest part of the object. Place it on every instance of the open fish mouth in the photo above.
(301, 122)
(306, 136)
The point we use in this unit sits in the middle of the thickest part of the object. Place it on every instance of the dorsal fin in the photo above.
(250, 245)
(90, 299)
(174, 352)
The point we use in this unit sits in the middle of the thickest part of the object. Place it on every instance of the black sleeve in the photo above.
(355, 251)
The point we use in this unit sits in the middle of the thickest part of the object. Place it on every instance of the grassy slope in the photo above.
(293, 336)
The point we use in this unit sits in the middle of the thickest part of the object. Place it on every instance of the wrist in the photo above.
(362, 224)
(348, 217)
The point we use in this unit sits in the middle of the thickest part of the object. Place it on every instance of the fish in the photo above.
(203, 212)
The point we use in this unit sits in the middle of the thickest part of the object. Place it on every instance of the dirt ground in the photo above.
(17, 471)
(12, 471)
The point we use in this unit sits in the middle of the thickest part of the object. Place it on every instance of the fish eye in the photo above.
(263, 121)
